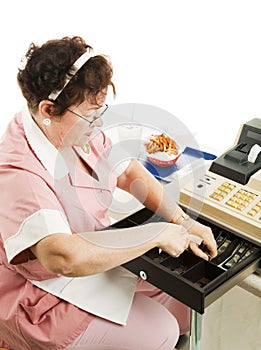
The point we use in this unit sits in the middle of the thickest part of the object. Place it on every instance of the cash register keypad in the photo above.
(222, 191)
(256, 209)
(241, 200)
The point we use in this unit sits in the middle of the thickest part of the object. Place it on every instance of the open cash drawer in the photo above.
(188, 278)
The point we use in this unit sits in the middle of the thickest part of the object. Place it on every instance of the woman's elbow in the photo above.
(65, 255)
(59, 265)
(69, 265)
(55, 253)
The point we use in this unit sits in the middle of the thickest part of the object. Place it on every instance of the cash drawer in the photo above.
(188, 278)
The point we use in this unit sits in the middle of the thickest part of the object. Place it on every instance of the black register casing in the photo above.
(234, 163)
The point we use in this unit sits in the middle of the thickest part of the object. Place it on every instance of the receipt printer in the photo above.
(244, 159)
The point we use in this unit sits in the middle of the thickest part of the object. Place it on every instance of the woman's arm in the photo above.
(149, 191)
(142, 185)
(93, 252)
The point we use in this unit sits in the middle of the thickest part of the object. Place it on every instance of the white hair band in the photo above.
(75, 67)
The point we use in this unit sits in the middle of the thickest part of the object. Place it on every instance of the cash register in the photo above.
(229, 193)
(226, 197)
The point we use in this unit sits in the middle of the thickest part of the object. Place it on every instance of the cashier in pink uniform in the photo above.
(56, 185)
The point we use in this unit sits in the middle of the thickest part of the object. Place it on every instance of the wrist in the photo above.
(185, 221)
(183, 218)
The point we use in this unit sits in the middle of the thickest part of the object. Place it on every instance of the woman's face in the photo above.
(85, 117)
(77, 124)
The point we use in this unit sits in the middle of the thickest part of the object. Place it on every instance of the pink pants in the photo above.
(155, 322)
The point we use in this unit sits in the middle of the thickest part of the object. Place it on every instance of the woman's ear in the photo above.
(46, 109)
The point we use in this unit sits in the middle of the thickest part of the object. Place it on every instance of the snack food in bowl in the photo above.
(162, 150)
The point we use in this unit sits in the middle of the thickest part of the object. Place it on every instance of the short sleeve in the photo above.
(29, 211)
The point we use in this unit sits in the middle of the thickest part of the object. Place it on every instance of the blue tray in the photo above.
(188, 155)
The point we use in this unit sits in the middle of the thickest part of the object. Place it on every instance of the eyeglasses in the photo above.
(93, 115)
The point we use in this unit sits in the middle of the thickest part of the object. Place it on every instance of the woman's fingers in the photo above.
(197, 251)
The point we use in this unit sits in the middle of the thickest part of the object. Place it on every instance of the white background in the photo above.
(199, 60)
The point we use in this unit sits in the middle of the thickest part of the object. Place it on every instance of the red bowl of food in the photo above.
(162, 150)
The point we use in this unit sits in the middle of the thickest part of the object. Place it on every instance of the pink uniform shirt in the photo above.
(42, 194)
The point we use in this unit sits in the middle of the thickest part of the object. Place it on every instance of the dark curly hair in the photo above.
(48, 66)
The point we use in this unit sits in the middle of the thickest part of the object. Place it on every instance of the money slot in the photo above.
(205, 275)
(221, 239)
(238, 255)
(241, 257)
(156, 255)
(226, 250)
(249, 252)
(181, 264)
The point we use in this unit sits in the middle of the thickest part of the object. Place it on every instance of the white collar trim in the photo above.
(48, 155)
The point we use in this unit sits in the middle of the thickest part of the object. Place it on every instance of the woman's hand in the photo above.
(205, 233)
(173, 239)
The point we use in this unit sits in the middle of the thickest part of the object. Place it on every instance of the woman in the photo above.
(56, 186)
